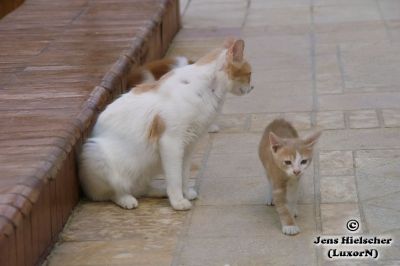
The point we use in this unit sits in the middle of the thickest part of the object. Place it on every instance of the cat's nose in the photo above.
(296, 172)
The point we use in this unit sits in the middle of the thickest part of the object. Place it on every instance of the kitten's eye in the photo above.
(304, 161)
(288, 162)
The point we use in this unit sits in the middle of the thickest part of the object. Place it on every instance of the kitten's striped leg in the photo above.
(268, 198)
(292, 197)
(289, 226)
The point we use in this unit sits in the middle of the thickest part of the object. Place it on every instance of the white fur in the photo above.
(148, 77)
(118, 161)
(297, 166)
(181, 61)
(290, 229)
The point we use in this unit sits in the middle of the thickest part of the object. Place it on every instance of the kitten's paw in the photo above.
(190, 194)
(181, 205)
(126, 201)
(214, 128)
(290, 229)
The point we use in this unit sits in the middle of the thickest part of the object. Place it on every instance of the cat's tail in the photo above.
(154, 70)
(93, 171)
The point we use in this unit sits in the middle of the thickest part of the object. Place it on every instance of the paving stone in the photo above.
(260, 121)
(232, 123)
(335, 216)
(338, 189)
(106, 221)
(247, 104)
(363, 119)
(330, 120)
(236, 143)
(356, 101)
(370, 65)
(332, 84)
(232, 191)
(336, 163)
(244, 221)
(350, 32)
(339, 14)
(256, 251)
(377, 173)
(233, 164)
(381, 219)
(278, 16)
(214, 14)
(265, 89)
(391, 117)
(356, 139)
(120, 252)
(261, 4)
(390, 9)
(300, 121)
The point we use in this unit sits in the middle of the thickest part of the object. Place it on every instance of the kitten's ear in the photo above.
(312, 139)
(236, 50)
(276, 142)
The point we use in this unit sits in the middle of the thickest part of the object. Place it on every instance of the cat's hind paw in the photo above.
(290, 229)
(126, 201)
(181, 205)
(190, 194)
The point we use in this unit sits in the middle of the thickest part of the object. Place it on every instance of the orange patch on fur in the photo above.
(238, 71)
(157, 128)
(146, 87)
(208, 58)
(160, 67)
(135, 77)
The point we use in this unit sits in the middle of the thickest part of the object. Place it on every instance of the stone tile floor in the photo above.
(331, 64)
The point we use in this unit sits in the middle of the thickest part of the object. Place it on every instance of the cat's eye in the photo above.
(288, 162)
(304, 161)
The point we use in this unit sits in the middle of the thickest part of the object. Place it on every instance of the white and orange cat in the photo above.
(154, 70)
(153, 129)
(285, 157)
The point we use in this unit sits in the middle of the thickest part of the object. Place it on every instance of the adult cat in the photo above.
(152, 130)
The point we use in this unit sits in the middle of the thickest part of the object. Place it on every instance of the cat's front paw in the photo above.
(290, 229)
(126, 201)
(190, 194)
(181, 205)
(214, 128)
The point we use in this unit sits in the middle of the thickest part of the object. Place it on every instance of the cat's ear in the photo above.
(236, 51)
(312, 139)
(229, 41)
(276, 142)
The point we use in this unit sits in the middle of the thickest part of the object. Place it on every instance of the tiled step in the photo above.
(61, 62)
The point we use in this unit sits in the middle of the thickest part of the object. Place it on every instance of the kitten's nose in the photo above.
(296, 172)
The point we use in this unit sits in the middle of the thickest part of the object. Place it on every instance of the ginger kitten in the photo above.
(285, 157)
